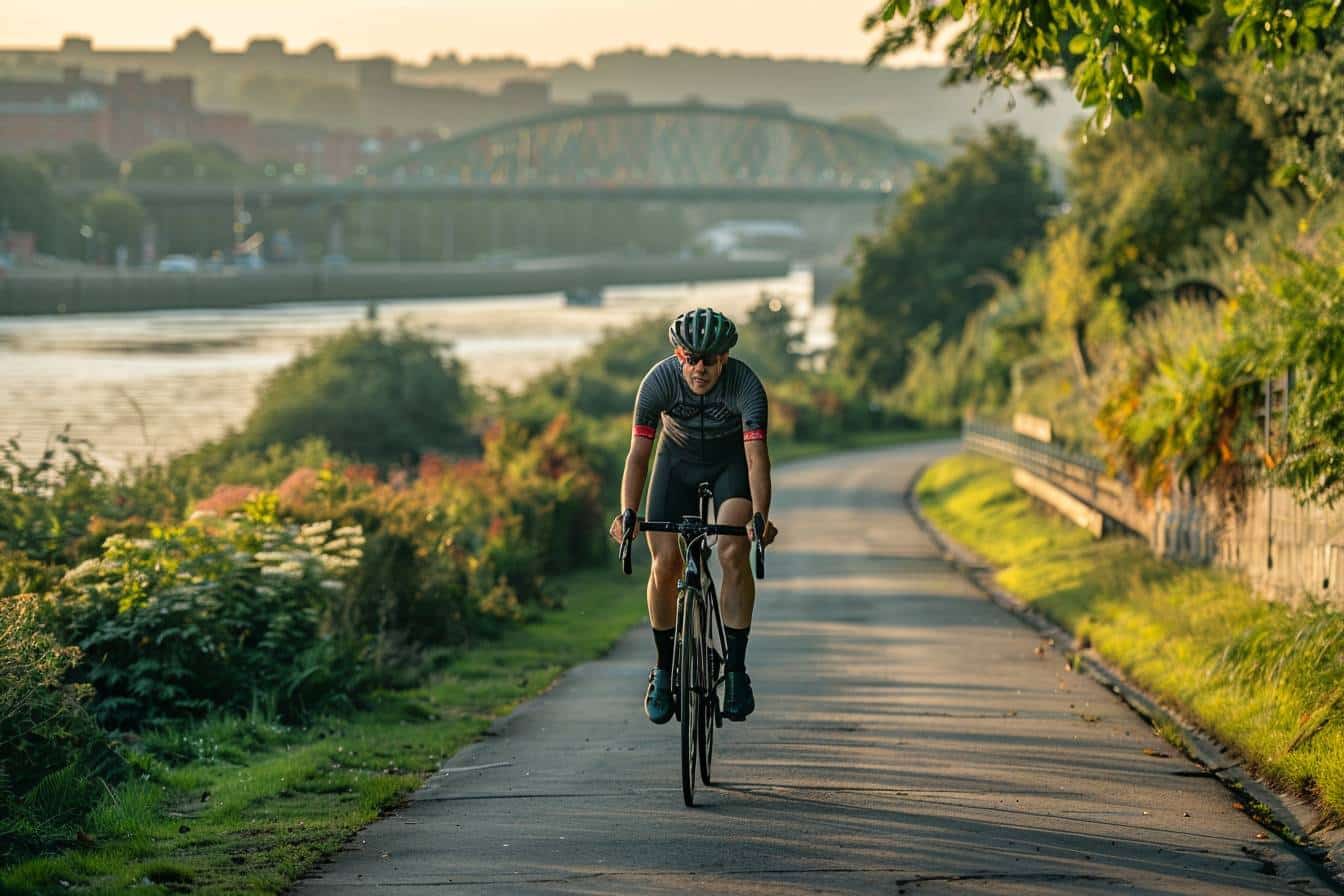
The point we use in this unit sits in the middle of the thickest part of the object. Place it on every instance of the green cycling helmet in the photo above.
(703, 331)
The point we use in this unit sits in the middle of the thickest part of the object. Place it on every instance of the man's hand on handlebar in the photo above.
(618, 525)
(766, 528)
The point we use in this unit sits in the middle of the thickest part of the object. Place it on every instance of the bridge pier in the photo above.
(149, 241)
(335, 230)
(446, 235)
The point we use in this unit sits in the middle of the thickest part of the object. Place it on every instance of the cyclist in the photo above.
(713, 412)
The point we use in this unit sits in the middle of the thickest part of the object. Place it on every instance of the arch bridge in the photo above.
(686, 146)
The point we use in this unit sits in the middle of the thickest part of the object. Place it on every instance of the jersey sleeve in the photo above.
(753, 406)
(650, 402)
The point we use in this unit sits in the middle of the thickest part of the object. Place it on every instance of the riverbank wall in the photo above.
(34, 293)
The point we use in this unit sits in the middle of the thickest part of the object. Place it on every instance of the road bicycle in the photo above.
(700, 644)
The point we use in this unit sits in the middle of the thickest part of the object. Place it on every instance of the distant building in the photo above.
(322, 52)
(194, 43)
(121, 118)
(265, 48)
(378, 72)
(123, 100)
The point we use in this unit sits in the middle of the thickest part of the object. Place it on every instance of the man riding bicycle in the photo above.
(713, 411)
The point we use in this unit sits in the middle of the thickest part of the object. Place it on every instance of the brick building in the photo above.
(121, 118)
(125, 100)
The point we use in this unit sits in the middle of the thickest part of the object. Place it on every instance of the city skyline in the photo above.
(411, 30)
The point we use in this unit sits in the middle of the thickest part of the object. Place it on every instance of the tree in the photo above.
(1298, 110)
(1073, 294)
(955, 233)
(27, 201)
(1110, 48)
(770, 342)
(1151, 186)
(381, 398)
(82, 161)
(176, 160)
(117, 217)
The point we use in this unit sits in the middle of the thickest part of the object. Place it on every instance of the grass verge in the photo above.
(255, 804)
(1263, 678)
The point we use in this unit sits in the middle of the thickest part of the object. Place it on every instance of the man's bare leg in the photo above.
(662, 601)
(739, 600)
(738, 592)
(663, 576)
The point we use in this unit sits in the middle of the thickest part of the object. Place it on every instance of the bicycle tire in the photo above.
(687, 697)
(708, 706)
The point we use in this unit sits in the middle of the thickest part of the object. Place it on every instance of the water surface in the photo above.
(156, 383)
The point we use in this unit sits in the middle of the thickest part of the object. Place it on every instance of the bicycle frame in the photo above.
(695, 555)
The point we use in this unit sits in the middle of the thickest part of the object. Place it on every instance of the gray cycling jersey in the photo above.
(736, 404)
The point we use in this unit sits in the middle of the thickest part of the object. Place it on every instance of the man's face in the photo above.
(704, 373)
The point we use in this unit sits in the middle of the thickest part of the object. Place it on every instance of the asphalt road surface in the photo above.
(907, 739)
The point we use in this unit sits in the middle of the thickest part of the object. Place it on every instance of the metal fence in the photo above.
(1287, 550)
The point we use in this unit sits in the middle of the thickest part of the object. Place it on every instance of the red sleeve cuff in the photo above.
(753, 435)
(644, 432)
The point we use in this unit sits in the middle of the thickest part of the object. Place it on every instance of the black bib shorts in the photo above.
(677, 471)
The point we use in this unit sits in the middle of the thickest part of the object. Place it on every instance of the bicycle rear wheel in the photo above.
(687, 696)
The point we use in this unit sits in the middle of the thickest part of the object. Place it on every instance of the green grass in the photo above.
(255, 803)
(1262, 677)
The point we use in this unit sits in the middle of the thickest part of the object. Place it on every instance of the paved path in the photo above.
(907, 739)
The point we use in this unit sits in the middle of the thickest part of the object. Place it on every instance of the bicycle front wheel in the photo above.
(688, 696)
(709, 701)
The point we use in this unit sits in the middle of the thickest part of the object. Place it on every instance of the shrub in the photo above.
(1290, 317)
(45, 507)
(212, 614)
(44, 725)
(49, 744)
(1177, 401)
(381, 398)
(554, 493)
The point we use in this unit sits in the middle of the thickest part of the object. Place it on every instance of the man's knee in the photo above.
(666, 568)
(733, 555)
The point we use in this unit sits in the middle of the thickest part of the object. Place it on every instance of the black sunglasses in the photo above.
(692, 360)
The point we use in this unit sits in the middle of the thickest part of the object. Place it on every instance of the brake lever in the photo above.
(758, 529)
(627, 538)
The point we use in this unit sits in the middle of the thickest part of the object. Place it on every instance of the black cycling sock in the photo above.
(663, 639)
(737, 649)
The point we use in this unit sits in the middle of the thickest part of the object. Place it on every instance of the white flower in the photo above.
(88, 567)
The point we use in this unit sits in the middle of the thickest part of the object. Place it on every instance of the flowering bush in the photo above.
(212, 613)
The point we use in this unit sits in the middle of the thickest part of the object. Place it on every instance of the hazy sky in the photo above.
(543, 30)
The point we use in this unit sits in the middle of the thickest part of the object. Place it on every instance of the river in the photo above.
(158, 383)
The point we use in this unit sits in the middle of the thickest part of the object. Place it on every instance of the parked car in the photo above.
(179, 264)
